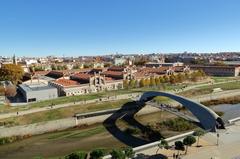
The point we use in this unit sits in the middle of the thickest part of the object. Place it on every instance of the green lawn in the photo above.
(209, 89)
(223, 79)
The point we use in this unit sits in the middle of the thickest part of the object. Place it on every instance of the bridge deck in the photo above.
(173, 111)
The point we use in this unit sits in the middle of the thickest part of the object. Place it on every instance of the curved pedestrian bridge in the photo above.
(209, 120)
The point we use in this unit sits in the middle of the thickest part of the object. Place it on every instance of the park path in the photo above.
(47, 108)
(229, 145)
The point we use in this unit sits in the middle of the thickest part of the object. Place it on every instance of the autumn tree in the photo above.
(11, 72)
(142, 83)
(2, 90)
(132, 83)
(152, 82)
(161, 79)
(172, 79)
(157, 81)
(166, 78)
(147, 82)
(125, 84)
(10, 91)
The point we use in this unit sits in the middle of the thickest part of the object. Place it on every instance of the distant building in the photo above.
(37, 90)
(159, 64)
(119, 61)
(218, 70)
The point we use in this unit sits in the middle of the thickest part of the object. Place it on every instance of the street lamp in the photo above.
(218, 139)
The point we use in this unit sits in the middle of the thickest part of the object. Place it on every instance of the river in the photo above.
(230, 110)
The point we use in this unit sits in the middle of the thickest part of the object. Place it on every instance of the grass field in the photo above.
(223, 79)
(209, 89)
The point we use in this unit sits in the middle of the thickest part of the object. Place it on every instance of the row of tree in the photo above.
(123, 153)
(158, 81)
(183, 145)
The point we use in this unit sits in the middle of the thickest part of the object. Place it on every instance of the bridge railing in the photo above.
(156, 143)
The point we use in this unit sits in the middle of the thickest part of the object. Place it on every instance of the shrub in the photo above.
(129, 152)
(117, 154)
(77, 155)
(132, 130)
(98, 153)
(177, 124)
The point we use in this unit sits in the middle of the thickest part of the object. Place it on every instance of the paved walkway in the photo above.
(228, 148)
(229, 145)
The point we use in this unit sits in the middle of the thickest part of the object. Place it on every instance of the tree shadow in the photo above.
(157, 156)
(126, 113)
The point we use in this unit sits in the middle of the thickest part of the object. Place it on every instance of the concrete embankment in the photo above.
(61, 124)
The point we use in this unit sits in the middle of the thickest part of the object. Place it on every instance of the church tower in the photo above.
(14, 60)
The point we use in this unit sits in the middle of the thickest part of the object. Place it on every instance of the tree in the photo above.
(125, 84)
(2, 90)
(199, 132)
(179, 78)
(147, 82)
(163, 144)
(157, 81)
(188, 141)
(132, 83)
(11, 72)
(166, 78)
(179, 146)
(53, 67)
(10, 91)
(161, 79)
(172, 79)
(97, 153)
(136, 85)
(152, 82)
(77, 155)
(142, 83)
(129, 153)
(117, 154)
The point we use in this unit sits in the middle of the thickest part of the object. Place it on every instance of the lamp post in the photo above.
(218, 139)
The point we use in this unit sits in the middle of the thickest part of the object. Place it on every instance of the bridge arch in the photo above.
(209, 120)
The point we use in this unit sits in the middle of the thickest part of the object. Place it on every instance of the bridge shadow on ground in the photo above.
(126, 113)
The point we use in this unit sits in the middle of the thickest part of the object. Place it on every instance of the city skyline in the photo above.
(98, 28)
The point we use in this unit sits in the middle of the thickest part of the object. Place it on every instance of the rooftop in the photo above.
(35, 86)
(66, 82)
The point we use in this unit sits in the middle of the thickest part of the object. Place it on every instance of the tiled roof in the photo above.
(112, 73)
(116, 68)
(178, 68)
(155, 70)
(41, 72)
(66, 82)
(83, 76)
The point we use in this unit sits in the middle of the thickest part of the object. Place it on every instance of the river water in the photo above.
(230, 110)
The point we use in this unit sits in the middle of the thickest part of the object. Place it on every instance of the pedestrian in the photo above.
(174, 156)
(17, 113)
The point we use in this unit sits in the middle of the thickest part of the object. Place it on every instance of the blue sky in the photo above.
(95, 27)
